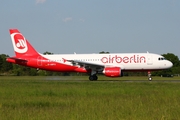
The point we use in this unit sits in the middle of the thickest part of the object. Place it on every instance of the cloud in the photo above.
(40, 1)
(67, 19)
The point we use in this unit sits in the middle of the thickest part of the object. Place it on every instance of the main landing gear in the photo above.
(149, 76)
(93, 77)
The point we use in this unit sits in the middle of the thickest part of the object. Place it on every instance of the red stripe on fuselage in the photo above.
(45, 64)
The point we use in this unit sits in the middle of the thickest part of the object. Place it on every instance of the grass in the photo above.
(36, 98)
(84, 78)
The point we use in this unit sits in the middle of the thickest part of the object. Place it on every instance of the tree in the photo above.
(102, 52)
(19, 70)
(4, 65)
(176, 65)
(173, 58)
(47, 53)
(1, 62)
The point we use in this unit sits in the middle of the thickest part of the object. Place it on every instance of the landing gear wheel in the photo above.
(93, 77)
(150, 78)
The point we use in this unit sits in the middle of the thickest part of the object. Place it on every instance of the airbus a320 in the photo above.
(111, 65)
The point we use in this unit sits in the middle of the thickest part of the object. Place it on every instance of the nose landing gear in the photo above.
(149, 76)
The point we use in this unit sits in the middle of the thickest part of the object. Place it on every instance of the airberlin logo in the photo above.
(19, 43)
(125, 59)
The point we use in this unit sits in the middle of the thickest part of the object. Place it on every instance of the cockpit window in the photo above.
(161, 58)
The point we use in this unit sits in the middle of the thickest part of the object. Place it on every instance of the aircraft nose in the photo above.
(169, 64)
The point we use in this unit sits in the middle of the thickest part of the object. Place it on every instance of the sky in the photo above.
(92, 26)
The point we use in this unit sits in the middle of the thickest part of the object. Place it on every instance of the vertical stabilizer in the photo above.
(21, 46)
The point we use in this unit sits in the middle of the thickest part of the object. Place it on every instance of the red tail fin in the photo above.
(21, 46)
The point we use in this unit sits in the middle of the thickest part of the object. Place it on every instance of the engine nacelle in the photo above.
(112, 72)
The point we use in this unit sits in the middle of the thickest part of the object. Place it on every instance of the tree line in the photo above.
(17, 70)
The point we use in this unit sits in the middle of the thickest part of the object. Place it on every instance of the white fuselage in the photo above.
(126, 61)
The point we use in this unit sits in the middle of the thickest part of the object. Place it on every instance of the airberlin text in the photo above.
(124, 59)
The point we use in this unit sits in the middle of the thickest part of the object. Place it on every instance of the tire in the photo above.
(91, 78)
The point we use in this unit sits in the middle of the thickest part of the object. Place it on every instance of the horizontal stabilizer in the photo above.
(15, 60)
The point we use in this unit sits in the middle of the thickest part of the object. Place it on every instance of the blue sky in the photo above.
(92, 26)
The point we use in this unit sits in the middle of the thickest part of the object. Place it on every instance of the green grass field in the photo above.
(67, 98)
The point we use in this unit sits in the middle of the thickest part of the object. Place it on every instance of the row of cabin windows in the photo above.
(77, 60)
(96, 59)
(92, 60)
(88, 60)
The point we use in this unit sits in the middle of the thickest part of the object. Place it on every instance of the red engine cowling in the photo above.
(112, 71)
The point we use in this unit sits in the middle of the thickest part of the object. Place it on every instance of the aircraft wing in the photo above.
(86, 64)
(90, 65)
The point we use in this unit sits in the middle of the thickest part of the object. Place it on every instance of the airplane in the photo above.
(111, 65)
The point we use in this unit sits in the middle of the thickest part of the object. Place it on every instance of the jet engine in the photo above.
(112, 72)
